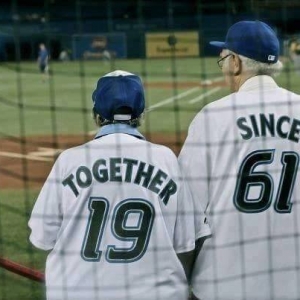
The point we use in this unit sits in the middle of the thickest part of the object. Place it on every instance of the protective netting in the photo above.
(46, 108)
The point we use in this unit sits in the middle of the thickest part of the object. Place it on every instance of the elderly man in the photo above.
(242, 159)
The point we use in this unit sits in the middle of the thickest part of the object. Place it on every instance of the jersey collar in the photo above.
(119, 128)
(257, 82)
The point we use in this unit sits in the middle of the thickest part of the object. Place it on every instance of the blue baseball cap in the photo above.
(116, 90)
(252, 39)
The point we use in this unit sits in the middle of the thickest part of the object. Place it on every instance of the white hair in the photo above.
(259, 68)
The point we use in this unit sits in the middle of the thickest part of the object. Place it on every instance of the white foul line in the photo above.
(217, 79)
(202, 96)
(164, 102)
(29, 157)
(42, 151)
(171, 99)
(179, 96)
(39, 155)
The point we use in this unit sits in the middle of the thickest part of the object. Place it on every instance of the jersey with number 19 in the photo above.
(115, 212)
(242, 156)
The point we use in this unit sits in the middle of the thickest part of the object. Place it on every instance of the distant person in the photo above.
(115, 212)
(43, 59)
(294, 50)
(64, 56)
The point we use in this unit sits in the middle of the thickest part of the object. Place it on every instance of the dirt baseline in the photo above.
(25, 163)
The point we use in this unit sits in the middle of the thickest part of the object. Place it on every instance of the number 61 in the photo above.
(248, 178)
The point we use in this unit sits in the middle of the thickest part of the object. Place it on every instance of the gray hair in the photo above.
(258, 68)
(100, 121)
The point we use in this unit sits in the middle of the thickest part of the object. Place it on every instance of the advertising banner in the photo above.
(178, 44)
(99, 46)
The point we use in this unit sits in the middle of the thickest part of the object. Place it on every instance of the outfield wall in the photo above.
(23, 43)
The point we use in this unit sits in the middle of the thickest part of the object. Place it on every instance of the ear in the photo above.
(237, 65)
(98, 120)
(223, 53)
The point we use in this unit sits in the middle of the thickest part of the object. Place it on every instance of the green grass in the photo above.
(25, 103)
(15, 209)
(63, 104)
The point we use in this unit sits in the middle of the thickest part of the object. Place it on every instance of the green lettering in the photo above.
(157, 181)
(267, 124)
(146, 174)
(295, 129)
(115, 169)
(84, 182)
(129, 167)
(242, 124)
(100, 175)
(168, 190)
(279, 126)
(254, 125)
(69, 181)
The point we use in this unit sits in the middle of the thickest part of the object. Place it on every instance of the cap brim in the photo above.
(218, 44)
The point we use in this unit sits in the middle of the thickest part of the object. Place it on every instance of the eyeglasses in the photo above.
(220, 62)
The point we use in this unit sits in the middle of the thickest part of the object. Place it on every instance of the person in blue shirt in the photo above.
(43, 58)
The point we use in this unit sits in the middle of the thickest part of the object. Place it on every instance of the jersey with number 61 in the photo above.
(242, 157)
(115, 212)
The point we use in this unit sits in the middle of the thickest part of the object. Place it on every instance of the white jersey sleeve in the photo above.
(195, 167)
(186, 220)
(46, 216)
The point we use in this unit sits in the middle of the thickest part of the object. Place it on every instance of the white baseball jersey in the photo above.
(242, 156)
(115, 212)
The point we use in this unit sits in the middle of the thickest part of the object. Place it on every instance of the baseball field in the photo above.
(39, 119)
